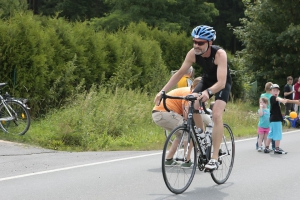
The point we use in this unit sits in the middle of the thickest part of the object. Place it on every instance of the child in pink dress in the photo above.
(264, 122)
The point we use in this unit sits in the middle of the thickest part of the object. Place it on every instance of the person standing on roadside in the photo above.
(264, 122)
(267, 95)
(276, 120)
(187, 79)
(297, 95)
(294, 82)
(288, 94)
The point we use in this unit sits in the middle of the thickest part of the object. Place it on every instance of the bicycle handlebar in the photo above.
(189, 97)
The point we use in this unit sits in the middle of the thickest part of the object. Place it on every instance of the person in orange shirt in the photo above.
(170, 120)
(187, 79)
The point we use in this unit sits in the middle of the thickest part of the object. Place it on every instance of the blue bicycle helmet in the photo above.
(204, 32)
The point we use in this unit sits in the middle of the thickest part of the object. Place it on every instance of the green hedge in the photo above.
(48, 60)
(45, 59)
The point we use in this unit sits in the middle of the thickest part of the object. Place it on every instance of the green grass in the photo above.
(242, 118)
(116, 120)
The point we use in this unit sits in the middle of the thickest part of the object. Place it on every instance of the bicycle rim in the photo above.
(19, 122)
(226, 157)
(177, 177)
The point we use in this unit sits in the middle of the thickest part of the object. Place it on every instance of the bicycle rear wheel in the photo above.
(177, 175)
(18, 122)
(226, 157)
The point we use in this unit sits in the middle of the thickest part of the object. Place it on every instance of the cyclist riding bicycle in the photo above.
(216, 80)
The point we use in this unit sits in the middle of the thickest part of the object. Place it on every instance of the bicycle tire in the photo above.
(177, 178)
(19, 123)
(226, 157)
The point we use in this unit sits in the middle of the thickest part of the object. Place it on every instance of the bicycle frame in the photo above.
(190, 125)
(178, 167)
(8, 109)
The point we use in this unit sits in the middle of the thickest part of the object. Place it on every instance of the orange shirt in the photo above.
(175, 105)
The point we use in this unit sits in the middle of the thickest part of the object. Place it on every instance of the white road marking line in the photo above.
(103, 162)
(74, 167)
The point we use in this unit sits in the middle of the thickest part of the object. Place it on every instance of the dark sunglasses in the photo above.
(200, 43)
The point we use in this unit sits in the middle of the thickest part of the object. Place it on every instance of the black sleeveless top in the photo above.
(275, 112)
(209, 68)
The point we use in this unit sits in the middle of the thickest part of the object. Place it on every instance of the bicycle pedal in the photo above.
(208, 170)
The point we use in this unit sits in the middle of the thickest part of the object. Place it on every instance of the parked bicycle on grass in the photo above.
(186, 137)
(14, 114)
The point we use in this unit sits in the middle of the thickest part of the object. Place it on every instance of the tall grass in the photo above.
(242, 118)
(99, 120)
(103, 119)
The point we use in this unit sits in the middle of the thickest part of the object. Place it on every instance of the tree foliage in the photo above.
(270, 34)
(166, 15)
(171, 15)
(9, 7)
(70, 9)
(49, 58)
(230, 11)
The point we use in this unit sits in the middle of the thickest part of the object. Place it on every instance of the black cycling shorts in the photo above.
(221, 95)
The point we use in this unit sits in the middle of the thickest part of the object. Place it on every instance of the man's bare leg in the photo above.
(218, 129)
(197, 117)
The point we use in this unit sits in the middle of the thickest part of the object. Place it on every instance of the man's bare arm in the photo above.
(187, 63)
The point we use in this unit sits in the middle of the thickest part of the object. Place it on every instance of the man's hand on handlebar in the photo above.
(158, 98)
(203, 96)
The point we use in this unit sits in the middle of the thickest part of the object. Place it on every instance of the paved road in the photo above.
(38, 174)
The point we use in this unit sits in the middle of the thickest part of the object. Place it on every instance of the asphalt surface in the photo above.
(28, 172)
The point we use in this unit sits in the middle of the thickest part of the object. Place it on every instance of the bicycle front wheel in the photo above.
(178, 174)
(226, 157)
(14, 118)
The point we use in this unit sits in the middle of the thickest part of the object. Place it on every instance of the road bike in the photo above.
(14, 114)
(178, 177)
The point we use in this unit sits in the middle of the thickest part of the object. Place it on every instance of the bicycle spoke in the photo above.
(226, 157)
(14, 118)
